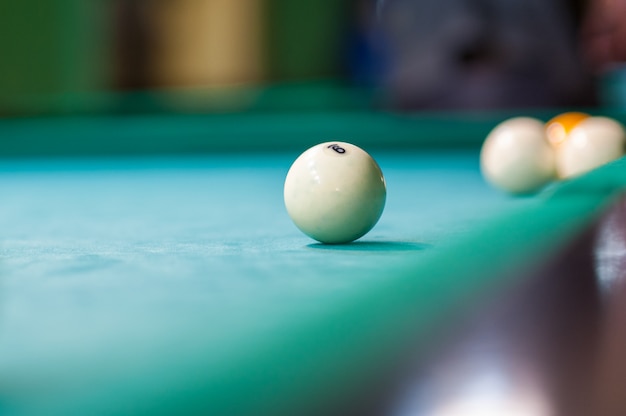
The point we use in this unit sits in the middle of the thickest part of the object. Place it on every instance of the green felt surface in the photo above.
(276, 121)
(147, 264)
(173, 285)
(247, 132)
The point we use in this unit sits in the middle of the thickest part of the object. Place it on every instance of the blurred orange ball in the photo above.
(558, 128)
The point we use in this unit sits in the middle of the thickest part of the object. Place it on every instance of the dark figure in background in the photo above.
(481, 54)
(132, 41)
(604, 34)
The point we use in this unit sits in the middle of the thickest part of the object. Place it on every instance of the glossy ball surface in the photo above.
(559, 127)
(335, 192)
(516, 156)
(594, 142)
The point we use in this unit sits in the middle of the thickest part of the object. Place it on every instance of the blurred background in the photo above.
(129, 56)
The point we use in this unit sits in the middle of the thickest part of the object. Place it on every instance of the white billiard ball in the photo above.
(592, 143)
(517, 157)
(335, 192)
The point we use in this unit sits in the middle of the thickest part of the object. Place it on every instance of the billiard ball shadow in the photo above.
(372, 246)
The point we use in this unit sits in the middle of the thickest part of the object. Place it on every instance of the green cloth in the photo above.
(179, 285)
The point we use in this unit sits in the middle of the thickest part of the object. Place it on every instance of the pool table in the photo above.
(148, 267)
